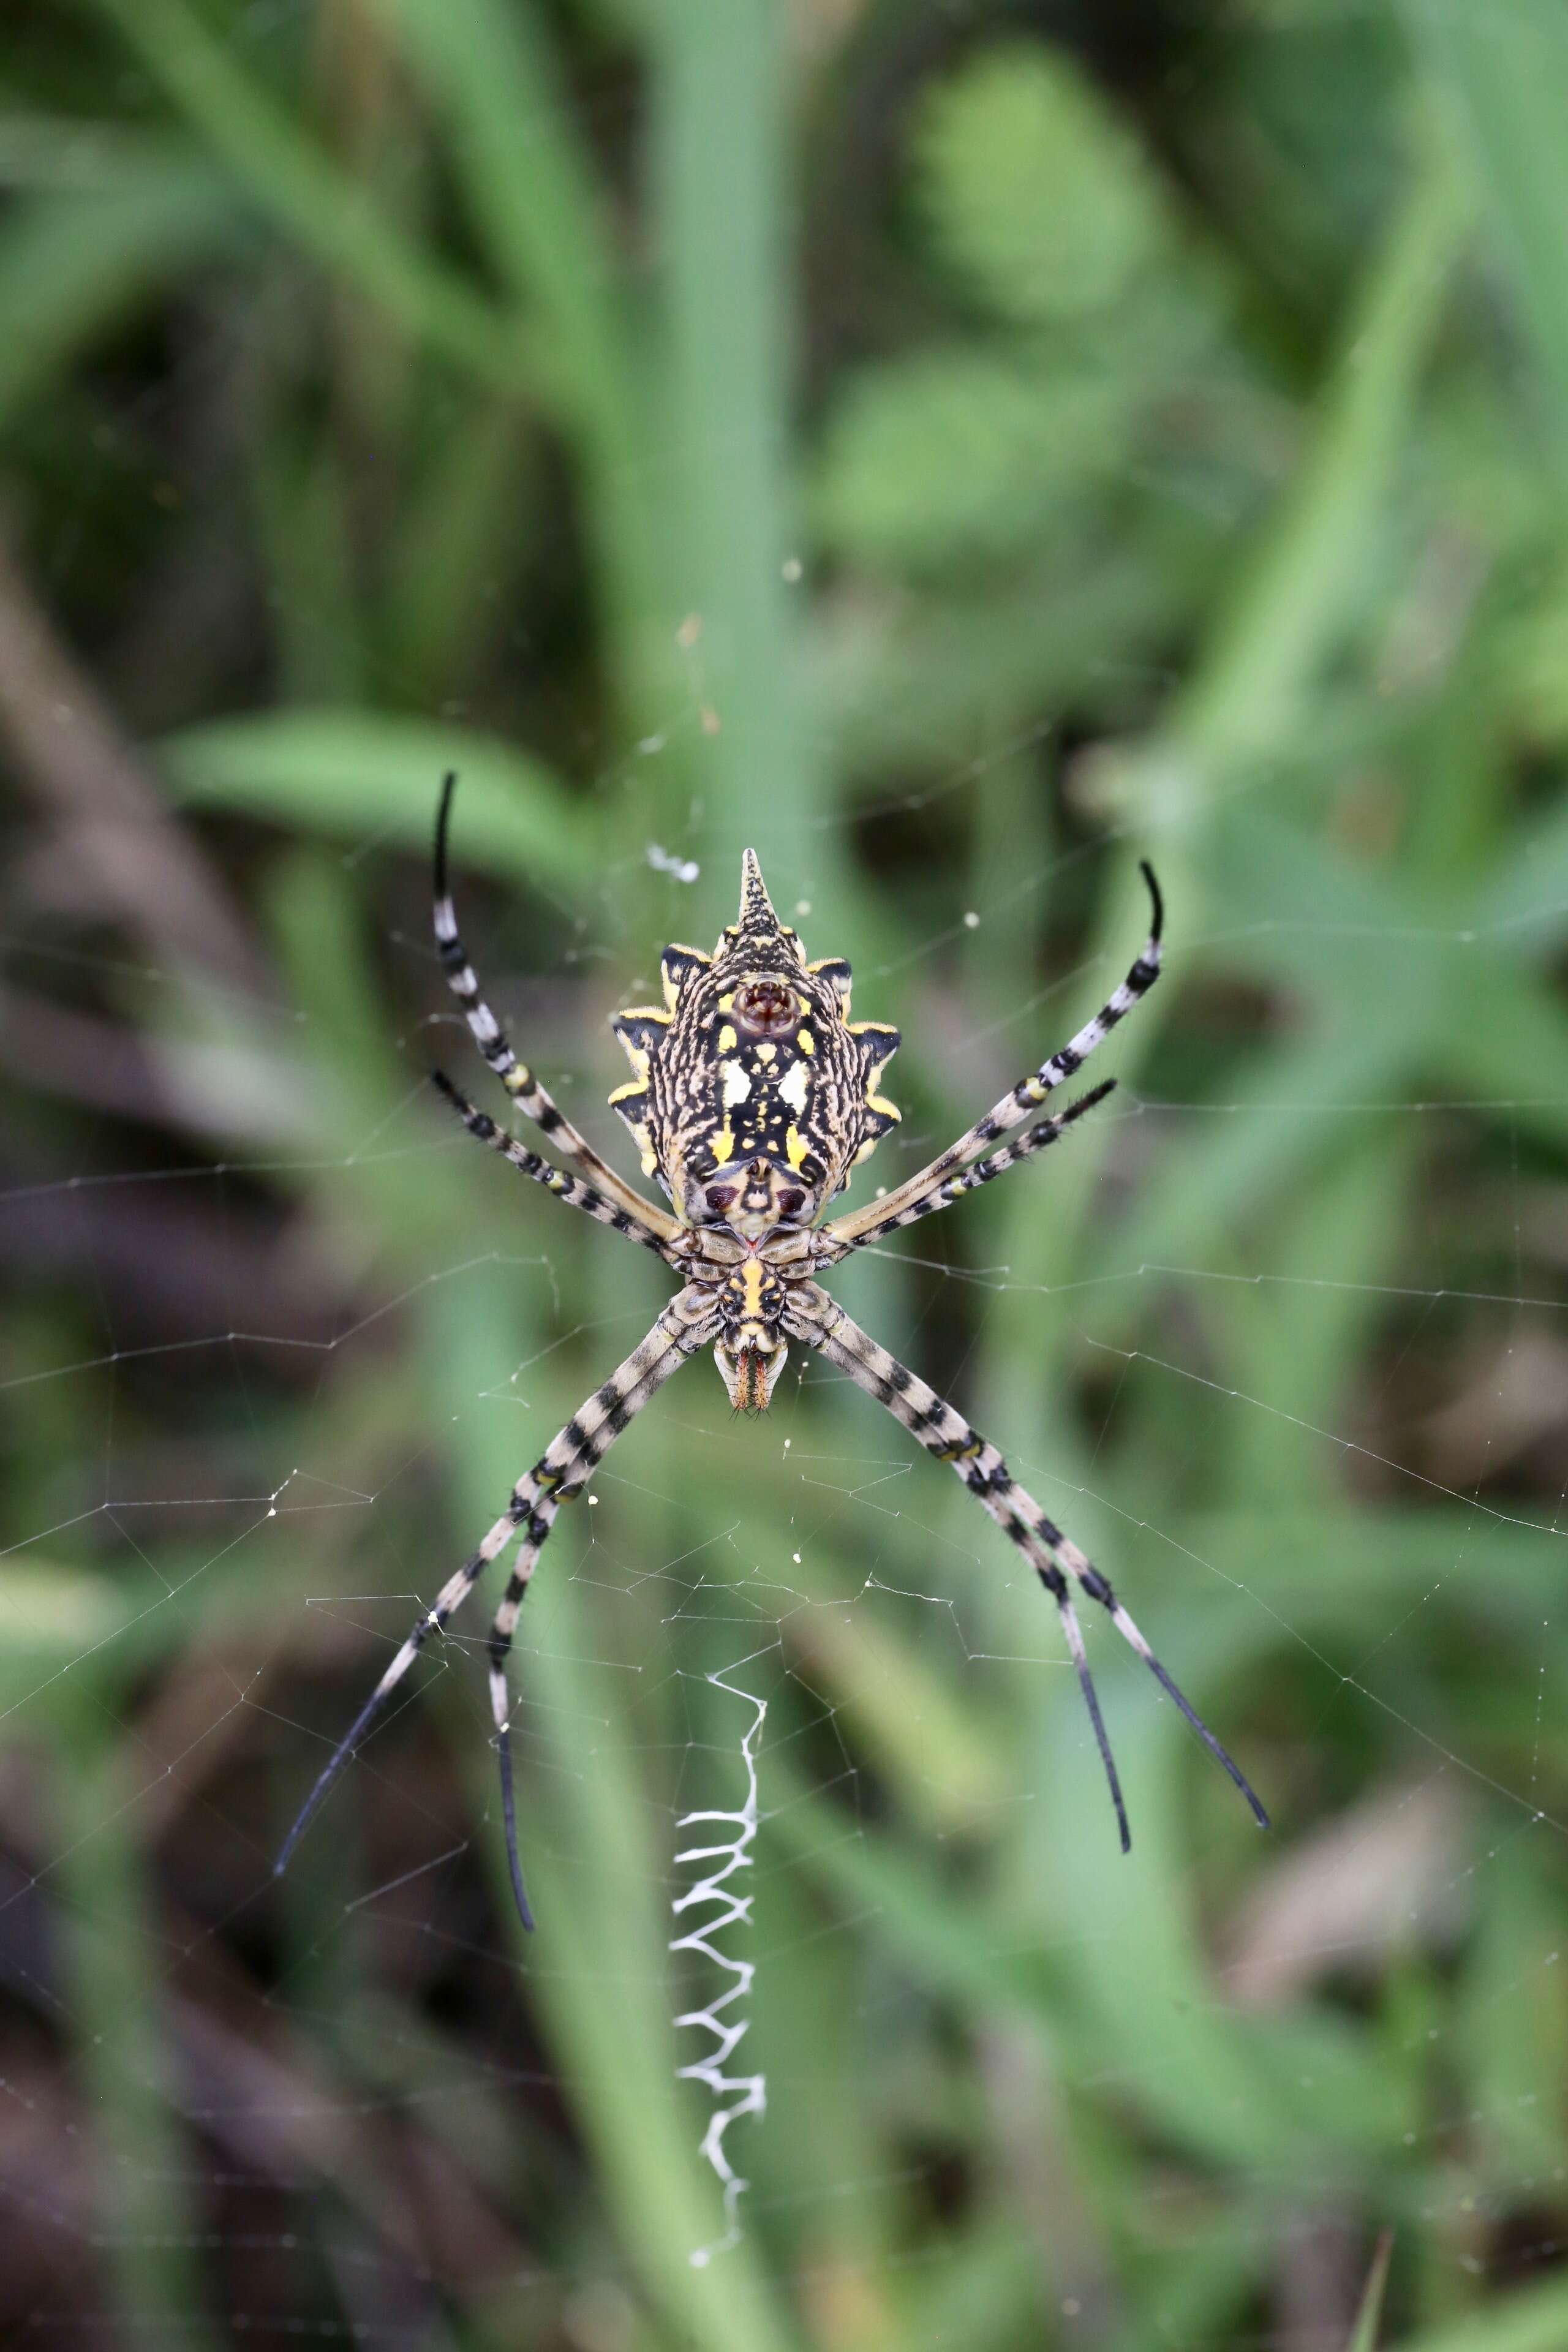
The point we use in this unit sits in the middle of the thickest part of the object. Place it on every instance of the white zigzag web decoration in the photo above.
(725, 1907)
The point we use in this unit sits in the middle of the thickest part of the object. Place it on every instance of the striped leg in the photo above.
(953, 1187)
(493, 1043)
(572, 1190)
(820, 1321)
(560, 1476)
(561, 1473)
(1027, 1096)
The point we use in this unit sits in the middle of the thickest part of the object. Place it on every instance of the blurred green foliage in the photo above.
(957, 450)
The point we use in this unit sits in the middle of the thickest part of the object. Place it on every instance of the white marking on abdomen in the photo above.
(793, 1087)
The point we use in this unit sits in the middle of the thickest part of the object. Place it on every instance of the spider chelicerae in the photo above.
(753, 1098)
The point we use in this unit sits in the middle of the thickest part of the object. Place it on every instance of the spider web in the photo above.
(778, 1658)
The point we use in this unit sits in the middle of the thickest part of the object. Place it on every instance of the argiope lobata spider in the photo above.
(753, 1097)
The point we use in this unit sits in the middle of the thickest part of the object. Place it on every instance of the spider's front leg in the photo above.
(926, 1204)
(822, 1323)
(559, 1476)
(927, 1189)
(516, 1076)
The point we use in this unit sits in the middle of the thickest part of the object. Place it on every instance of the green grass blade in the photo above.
(723, 512)
(1290, 602)
(1502, 72)
(293, 181)
(371, 778)
(1364, 2338)
(72, 267)
(1533, 2319)
(541, 215)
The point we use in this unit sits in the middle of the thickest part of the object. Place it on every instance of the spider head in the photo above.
(749, 1370)
(750, 1349)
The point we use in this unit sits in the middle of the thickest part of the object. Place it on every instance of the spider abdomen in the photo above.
(754, 1094)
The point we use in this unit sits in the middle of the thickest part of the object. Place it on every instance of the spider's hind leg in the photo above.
(450, 1598)
(944, 1433)
(561, 1471)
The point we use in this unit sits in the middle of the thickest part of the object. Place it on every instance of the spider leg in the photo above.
(1015, 1108)
(969, 1180)
(493, 1043)
(944, 1432)
(572, 1190)
(559, 1476)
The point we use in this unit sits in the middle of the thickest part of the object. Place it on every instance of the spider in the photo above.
(752, 1097)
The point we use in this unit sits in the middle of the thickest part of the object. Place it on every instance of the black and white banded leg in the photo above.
(514, 1074)
(574, 1190)
(1015, 1108)
(560, 1475)
(953, 1187)
(822, 1323)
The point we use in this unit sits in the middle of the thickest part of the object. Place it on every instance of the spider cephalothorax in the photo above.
(755, 1096)
(755, 1093)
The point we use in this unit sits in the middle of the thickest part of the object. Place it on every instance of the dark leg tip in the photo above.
(1157, 926)
(520, 1896)
(1087, 1102)
(478, 1122)
(443, 818)
(509, 1825)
